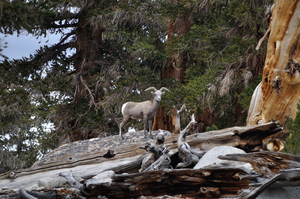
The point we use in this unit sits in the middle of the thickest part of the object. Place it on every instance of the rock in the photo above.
(50, 183)
(210, 158)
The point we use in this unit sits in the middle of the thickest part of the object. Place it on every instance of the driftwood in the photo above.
(267, 163)
(185, 153)
(208, 183)
(156, 150)
(91, 158)
(201, 183)
(273, 169)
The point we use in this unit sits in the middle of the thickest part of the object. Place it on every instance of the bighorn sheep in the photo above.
(142, 110)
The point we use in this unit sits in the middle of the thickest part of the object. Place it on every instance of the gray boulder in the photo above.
(210, 158)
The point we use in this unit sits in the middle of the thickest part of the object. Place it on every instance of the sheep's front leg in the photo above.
(150, 127)
(145, 124)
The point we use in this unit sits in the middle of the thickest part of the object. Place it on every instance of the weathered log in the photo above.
(24, 195)
(71, 180)
(284, 175)
(184, 150)
(35, 195)
(156, 150)
(221, 182)
(248, 138)
(267, 163)
(89, 156)
(163, 162)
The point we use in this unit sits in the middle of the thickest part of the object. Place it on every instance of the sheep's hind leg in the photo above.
(122, 124)
(150, 128)
(145, 124)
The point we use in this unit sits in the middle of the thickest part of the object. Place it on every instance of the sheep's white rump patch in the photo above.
(123, 106)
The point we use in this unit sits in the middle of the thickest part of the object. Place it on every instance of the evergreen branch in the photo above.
(150, 3)
(52, 52)
(63, 25)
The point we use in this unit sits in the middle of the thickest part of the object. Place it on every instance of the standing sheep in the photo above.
(142, 110)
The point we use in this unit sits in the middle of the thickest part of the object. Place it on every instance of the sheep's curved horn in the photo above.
(151, 88)
(164, 88)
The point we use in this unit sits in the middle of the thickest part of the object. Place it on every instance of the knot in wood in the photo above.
(291, 67)
(210, 191)
(277, 84)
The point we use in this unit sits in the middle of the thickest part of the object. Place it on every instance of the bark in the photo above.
(175, 68)
(207, 118)
(200, 183)
(162, 120)
(88, 49)
(276, 97)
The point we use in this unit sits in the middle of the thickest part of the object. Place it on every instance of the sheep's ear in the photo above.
(152, 92)
(163, 93)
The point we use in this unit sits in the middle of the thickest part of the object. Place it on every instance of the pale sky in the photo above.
(24, 45)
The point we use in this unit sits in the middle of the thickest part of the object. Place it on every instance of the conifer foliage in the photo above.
(109, 53)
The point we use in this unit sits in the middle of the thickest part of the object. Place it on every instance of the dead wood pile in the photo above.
(81, 168)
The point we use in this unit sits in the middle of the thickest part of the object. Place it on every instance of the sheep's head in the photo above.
(157, 93)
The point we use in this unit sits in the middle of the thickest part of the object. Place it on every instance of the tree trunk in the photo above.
(174, 69)
(276, 97)
(88, 50)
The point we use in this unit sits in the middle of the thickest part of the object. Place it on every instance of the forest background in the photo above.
(202, 51)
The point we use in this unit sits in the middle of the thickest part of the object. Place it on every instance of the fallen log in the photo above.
(210, 182)
(194, 183)
(125, 156)
(111, 153)
(267, 163)
(274, 170)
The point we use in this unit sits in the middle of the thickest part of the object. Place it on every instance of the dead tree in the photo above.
(156, 150)
(176, 119)
(184, 150)
(277, 96)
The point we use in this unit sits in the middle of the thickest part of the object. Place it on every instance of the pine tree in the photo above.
(110, 51)
(117, 56)
(220, 57)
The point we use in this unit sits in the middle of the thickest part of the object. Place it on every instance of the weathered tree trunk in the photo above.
(176, 119)
(207, 118)
(174, 69)
(276, 97)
